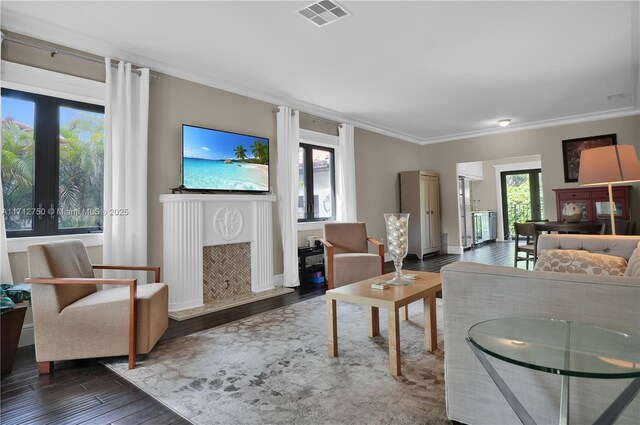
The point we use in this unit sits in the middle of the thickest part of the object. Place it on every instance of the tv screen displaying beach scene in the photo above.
(224, 161)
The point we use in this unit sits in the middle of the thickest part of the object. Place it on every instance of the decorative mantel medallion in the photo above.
(228, 223)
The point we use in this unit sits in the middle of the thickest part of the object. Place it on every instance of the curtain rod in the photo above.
(312, 117)
(56, 51)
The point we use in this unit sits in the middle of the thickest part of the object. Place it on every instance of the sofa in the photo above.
(476, 292)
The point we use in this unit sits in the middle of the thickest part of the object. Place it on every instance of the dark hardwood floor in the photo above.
(85, 392)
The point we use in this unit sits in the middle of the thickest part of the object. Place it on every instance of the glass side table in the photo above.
(563, 348)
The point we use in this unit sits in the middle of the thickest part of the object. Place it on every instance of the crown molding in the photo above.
(555, 122)
(45, 31)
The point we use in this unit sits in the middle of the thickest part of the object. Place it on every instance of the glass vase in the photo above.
(397, 243)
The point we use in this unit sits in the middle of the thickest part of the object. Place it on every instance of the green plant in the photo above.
(81, 170)
(17, 172)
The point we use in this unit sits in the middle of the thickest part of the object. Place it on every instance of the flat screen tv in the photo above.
(215, 160)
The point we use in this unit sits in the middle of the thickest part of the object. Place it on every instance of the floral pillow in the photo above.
(583, 262)
(633, 268)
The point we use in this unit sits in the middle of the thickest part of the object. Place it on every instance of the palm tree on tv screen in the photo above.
(260, 151)
(241, 153)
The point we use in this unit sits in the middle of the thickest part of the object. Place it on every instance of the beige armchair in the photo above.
(348, 258)
(73, 320)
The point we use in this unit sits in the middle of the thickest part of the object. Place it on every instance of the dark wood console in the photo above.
(595, 202)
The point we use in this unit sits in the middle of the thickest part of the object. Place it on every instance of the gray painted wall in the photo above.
(379, 159)
(174, 101)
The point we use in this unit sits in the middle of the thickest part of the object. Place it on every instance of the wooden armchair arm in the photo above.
(326, 243)
(380, 251)
(328, 249)
(132, 283)
(154, 269)
(374, 240)
(80, 281)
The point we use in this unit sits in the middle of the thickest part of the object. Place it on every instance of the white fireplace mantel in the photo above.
(193, 221)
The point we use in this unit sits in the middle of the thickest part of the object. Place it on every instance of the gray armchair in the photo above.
(73, 320)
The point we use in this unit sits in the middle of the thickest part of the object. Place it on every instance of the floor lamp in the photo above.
(610, 165)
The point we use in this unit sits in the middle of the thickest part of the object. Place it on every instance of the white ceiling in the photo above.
(422, 71)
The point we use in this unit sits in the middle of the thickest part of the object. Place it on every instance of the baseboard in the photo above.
(27, 335)
(278, 280)
(455, 249)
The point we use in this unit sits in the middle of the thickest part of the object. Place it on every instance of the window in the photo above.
(316, 195)
(52, 165)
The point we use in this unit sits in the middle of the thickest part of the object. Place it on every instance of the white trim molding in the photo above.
(49, 83)
(313, 225)
(278, 280)
(21, 244)
(553, 122)
(320, 139)
(455, 249)
(31, 27)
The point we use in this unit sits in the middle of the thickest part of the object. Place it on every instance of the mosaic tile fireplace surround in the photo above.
(226, 271)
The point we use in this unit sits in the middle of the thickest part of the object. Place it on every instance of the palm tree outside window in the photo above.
(52, 165)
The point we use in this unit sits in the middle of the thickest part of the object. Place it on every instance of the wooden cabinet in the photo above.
(420, 196)
(595, 202)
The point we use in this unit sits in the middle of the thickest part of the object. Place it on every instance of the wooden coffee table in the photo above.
(424, 287)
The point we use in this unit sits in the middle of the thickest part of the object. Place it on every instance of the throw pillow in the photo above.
(584, 262)
(633, 267)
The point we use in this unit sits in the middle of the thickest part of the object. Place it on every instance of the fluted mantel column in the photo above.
(191, 222)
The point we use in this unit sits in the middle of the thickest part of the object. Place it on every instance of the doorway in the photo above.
(522, 198)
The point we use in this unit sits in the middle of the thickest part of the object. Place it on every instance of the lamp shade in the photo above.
(609, 164)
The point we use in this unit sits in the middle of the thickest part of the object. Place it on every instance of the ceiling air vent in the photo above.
(323, 13)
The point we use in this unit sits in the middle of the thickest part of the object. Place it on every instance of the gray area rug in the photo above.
(273, 368)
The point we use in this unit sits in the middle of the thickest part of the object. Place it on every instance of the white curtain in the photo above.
(125, 168)
(5, 267)
(346, 176)
(287, 146)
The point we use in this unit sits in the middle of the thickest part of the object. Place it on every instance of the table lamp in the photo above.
(610, 165)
